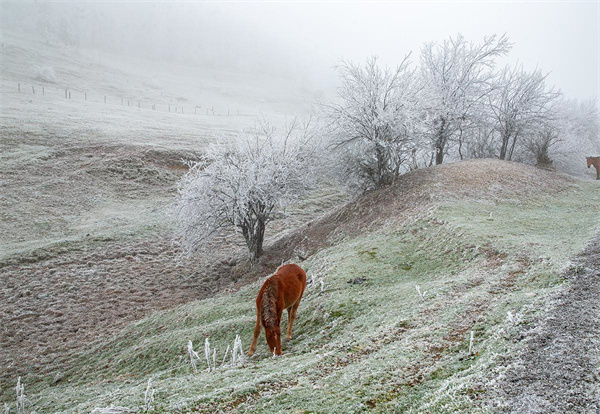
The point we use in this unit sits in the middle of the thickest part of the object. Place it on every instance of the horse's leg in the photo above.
(290, 321)
(256, 334)
(278, 337)
(291, 316)
(292, 313)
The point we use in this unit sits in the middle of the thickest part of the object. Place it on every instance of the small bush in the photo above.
(45, 74)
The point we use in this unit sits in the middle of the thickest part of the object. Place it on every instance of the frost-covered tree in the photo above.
(521, 106)
(577, 135)
(373, 124)
(243, 183)
(457, 76)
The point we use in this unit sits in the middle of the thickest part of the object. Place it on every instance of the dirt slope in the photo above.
(414, 193)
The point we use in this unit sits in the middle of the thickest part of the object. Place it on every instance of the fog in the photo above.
(305, 40)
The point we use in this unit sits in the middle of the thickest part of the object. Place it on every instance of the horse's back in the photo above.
(292, 269)
(292, 280)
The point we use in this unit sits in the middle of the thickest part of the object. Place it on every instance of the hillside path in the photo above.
(559, 370)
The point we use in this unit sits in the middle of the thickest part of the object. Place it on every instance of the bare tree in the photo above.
(521, 106)
(374, 123)
(577, 128)
(243, 184)
(457, 76)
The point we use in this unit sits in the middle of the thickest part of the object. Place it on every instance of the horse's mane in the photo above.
(268, 306)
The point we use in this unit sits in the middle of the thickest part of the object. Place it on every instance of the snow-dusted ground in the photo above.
(85, 188)
(558, 369)
(70, 162)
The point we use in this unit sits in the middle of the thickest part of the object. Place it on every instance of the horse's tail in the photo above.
(268, 305)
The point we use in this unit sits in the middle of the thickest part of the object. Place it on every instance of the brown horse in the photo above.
(595, 161)
(281, 291)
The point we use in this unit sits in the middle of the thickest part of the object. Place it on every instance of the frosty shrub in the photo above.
(243, 183)
(45, 74)
(373, 125)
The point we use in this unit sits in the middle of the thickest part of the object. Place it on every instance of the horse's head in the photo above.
(590, 161)
(274, 339)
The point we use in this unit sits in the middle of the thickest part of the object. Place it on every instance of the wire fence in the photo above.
(182, 107)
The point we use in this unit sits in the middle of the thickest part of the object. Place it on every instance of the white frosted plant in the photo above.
(457, 77)
(20, 388)
(242, 183)
(193, 356)
(112, 410)
(471, 343)
(207, 352)
(421, 294)
(210, 355)
(237, 355)
(148, 396)
(521, 106)
(373, 122)
(225, 356)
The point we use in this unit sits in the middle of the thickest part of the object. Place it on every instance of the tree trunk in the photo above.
(504, 146)
(259, 237)
(254, 235)
(440, 143)
(460, 143)
(512, 147)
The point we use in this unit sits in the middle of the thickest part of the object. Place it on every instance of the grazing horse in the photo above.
(281, 291)
(595, 161)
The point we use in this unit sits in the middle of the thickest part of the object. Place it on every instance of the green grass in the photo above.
(375, 345)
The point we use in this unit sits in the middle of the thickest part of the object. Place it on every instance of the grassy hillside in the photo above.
(86, 185)
(485, 242)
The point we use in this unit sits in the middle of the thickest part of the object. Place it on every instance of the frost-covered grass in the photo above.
(376, 344)
(69, 165)
(553, 226)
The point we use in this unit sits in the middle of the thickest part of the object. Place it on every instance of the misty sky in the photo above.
(559, 37)
(307, 39)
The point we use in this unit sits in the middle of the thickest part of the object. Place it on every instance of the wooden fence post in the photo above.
(19, 87)
(33, 89)
(85, 95)
(69, 95)
(43, 91)
(66, 94)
